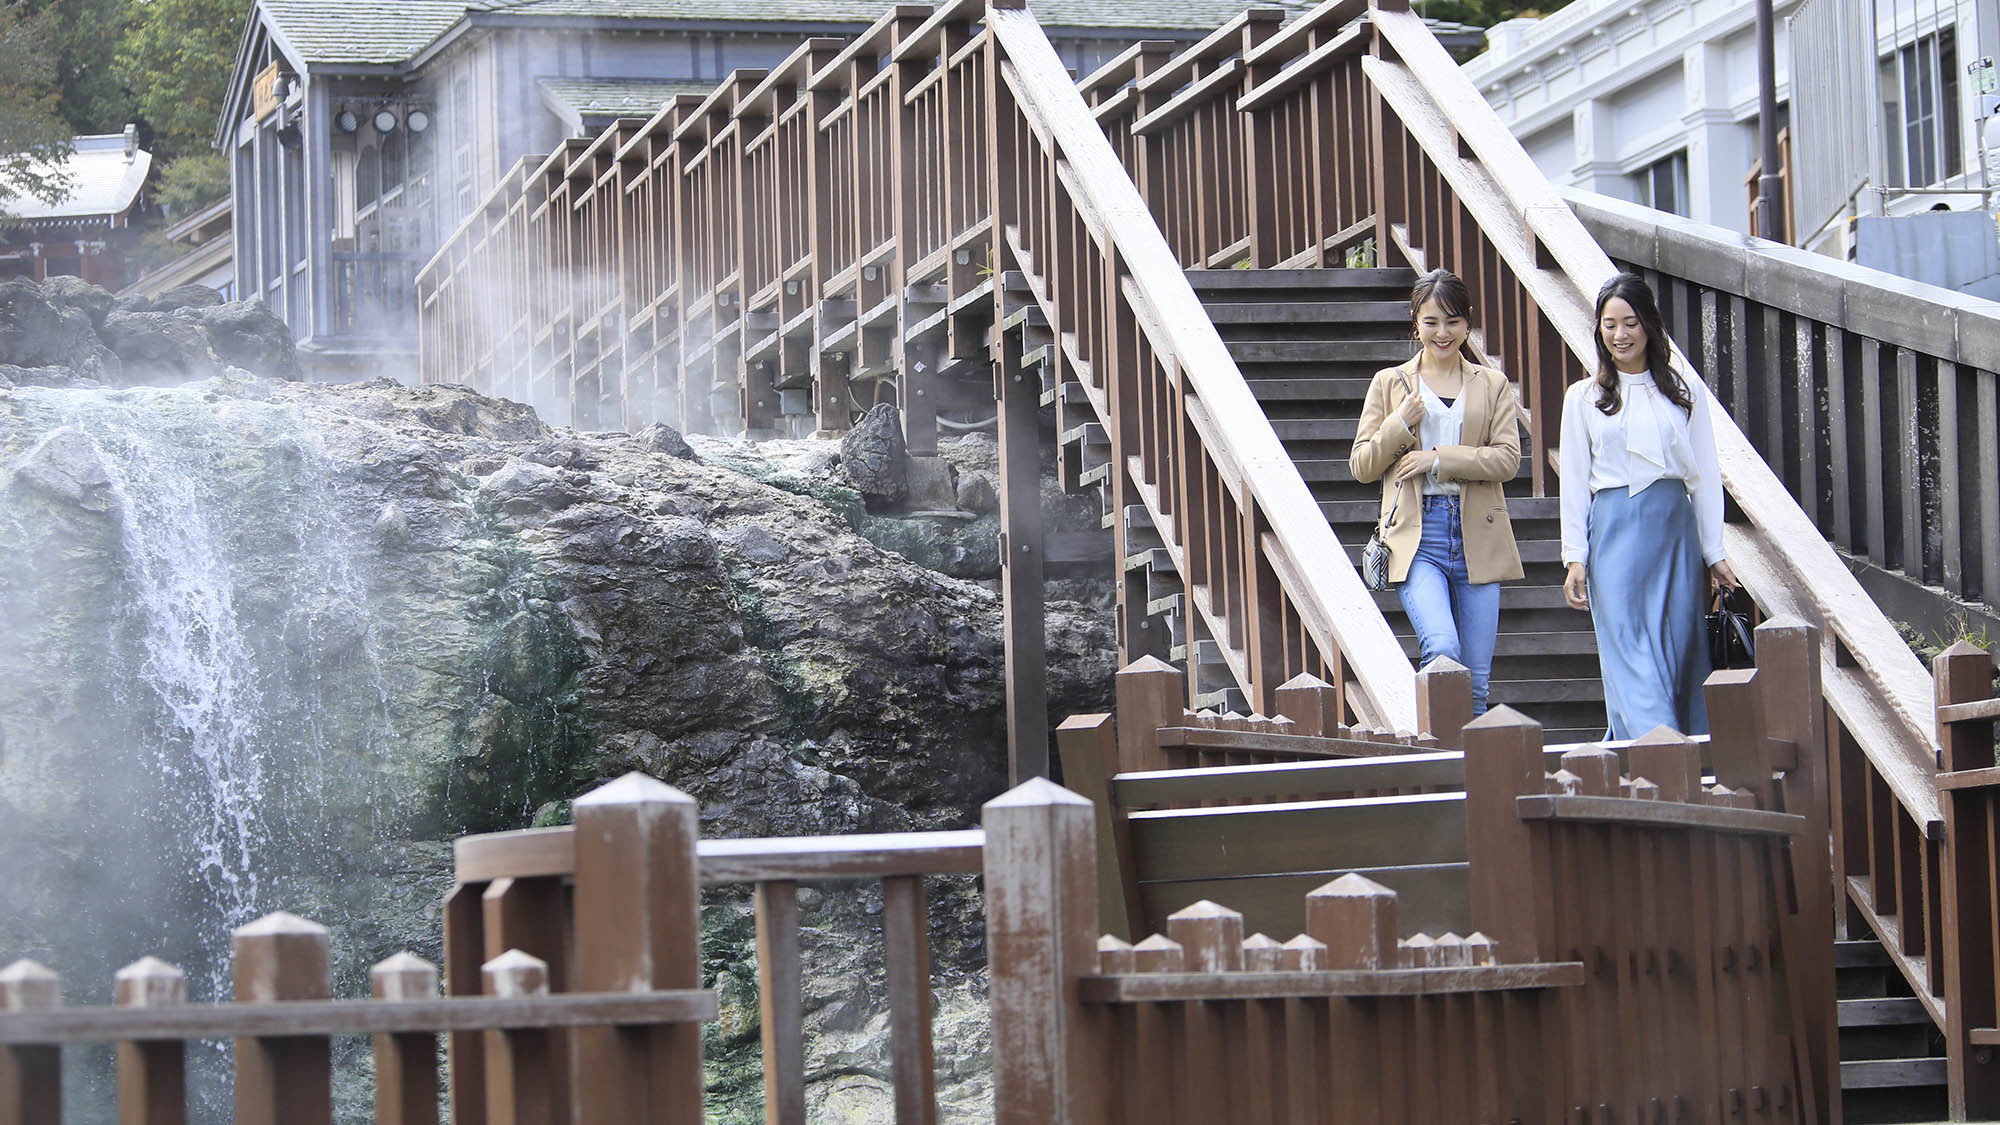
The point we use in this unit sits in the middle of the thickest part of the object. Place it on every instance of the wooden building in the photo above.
(362, 134)
(88, 233)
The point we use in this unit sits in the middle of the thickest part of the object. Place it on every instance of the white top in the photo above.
(1649, 439)
(1441, 427)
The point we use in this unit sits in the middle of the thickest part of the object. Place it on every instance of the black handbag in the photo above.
(1730, 643)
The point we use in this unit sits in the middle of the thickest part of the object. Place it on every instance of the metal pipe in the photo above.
(1769, 181)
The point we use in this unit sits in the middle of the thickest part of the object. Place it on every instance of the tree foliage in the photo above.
(191, 182)
(82, 36)
(33, 135)
(1485, 13)
(175, 57)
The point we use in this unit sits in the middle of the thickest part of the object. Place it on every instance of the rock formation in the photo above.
(273, 644)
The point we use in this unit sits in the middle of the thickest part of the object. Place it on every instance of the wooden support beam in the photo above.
(1022, 606)
(283, 1080)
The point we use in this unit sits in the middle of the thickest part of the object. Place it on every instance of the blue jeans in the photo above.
(1453, 615)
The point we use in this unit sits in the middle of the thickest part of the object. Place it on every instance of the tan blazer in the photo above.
(1490, 456)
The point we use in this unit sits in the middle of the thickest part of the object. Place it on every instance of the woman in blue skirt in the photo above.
(1642, 517)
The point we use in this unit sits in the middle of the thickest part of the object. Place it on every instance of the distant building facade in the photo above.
(361, 133)
(89, 233)
(1655, 101)
(204, 254)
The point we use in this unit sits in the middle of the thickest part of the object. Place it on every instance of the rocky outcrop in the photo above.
(99, 339)
(393, 615)
(874, 457)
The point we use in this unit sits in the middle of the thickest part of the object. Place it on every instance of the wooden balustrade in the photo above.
(537, 868)
(600, 1020)
(1639, 954)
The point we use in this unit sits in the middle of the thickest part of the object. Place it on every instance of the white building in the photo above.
(1656, 101)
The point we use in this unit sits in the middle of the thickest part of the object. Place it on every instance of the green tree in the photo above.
(33, 135)
(175, 57)
(83, 36)
(1484, 13)
(191, 182)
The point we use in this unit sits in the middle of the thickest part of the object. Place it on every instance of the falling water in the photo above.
(243, 660)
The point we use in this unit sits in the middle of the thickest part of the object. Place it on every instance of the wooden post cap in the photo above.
(634, 788)
(1565, 783)
(281, 957)
(1114, 954)
(1158, 954)
(404, 976)
(1502, 717)
(1356, 918)
(1444, 665)
(1151, 664)
(1480, 949)
(1263, 954)
(1667, 758)
(1452, 950)
(514, 974)
(1211, 934)
(1305, 954)
(29, 986)
(149, 983)
(1643, 789)
(1596, 770)
(1304, 681)
(1418, 951)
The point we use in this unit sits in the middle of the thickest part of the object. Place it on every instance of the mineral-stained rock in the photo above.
(39, 328)
(662, 438)
(874, 457)
(186, 297)
(161, 347)
(248, 335)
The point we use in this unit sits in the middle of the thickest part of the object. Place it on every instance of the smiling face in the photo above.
(1623, 335)
(1442, 332)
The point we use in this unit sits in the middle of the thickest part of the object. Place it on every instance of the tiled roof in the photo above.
(103, 181)
(360, 31)
(587, 99)
(395, 31)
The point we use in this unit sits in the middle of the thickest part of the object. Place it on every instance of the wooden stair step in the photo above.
(1383, 352)
(1883, 1012)
(1878, 1074)
(1214, 281)
(1395, 314)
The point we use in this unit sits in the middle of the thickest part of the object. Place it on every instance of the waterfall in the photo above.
(243, 624)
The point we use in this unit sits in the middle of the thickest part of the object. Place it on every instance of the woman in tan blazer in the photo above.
(1442, 434)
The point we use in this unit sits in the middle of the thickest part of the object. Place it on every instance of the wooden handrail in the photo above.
(1173, 317)
(540, 852)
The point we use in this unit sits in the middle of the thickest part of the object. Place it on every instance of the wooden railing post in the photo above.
(464, 945)
(1739, 745)
(1510, 882)
(1049, 1062)
(638, 899)
(1088, 745)
(1150, 694)
(1313, 706)
(781, 1002)
(152, 1074)
(1788, 665)
(1354, 917)
(1444, 701)
(283, 1080)
(30, 1074)
(1963, 674)
(405, 1063)
(521, 1063)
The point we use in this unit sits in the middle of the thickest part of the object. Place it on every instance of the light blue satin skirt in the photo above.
(1648, 597)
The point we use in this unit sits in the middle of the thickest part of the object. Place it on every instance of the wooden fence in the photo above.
(1637, 957)
(1257, 811)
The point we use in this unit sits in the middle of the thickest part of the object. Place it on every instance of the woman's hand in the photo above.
(1415, 463)
(1721, 578)
(1576, 589)
(1412, 411)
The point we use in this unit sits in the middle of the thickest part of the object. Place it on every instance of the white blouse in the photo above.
(1649, 439)
(1441, 427)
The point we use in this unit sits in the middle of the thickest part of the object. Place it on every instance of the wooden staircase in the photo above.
(1307, 342)
(1892, 1064)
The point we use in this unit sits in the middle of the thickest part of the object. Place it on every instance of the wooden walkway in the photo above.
(1147, 269)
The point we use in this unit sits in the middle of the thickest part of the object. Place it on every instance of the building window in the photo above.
(1663, 184)
(1920, 112)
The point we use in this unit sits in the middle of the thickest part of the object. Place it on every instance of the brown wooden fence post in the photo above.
(780, 1002)
(1354, 917)
(1788, 664)
(1962, 674)
(1312, 704)
(1511, 885)
(1050, 1062)
(1150, 695)
(30, 1074)
(405, 1064)
(464, 945)
(283, 1080)
(152, 1074)
(1739, 745)
(1444, 701)
(638, 927)
(520, 1062)
(1088, 745)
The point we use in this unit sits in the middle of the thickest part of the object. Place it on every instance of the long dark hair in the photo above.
(1452, 296)
(1633, 290)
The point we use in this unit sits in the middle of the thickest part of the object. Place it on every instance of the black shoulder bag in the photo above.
(1730, 643)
